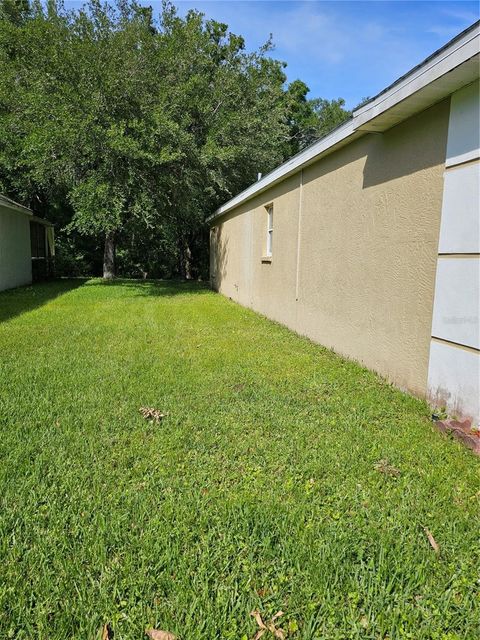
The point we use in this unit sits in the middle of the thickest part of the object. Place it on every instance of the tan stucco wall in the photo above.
(367, 248)
(15, 252)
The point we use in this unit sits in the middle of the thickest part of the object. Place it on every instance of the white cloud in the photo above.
(324, 31)
(458, 21)
(444, 31)
(468, 17)
(342, 48)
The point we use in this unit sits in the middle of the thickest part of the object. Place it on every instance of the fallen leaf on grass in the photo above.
(154, 415)
(157, 634)
(106, 632)
(269, 626)
(431, 539)
(383, 466)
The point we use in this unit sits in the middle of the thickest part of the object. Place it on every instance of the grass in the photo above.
(259, 490)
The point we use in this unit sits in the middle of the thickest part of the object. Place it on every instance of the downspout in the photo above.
(300, 202)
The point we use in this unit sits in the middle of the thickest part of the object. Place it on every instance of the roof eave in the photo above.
(450, 68)
(14, 206)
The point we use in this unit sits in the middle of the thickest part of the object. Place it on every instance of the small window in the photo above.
(269, 230)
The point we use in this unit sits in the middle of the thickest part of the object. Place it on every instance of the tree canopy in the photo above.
(127, 129)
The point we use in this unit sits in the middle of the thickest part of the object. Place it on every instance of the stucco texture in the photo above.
(357, 273)
(15, 252)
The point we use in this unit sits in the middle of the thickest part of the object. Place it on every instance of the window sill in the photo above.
(266, 259)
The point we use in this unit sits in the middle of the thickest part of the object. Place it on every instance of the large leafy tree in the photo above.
(90, 121)
(131, 127)
(309, 119)
(134, 120)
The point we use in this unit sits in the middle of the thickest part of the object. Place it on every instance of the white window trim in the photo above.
(269, 247)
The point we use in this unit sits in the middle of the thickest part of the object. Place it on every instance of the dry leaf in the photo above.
(157, 634)
(432, 540)
(277, 615)
(258, 619)
(151, 414)
(270, 626)
(106, 632)
(383, 466)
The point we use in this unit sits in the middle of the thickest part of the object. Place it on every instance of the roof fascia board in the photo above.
(288, 168)
(450, 57)
(13, 206)
(448, 60)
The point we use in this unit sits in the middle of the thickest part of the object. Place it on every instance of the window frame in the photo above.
(269, 243)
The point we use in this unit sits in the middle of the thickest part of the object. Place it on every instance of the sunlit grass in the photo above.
(258, 491)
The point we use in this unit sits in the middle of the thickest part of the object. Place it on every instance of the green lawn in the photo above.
(259, 490)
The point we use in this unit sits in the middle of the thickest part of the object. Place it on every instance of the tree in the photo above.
(14, 11)
(124, 125)
(135, 120)
(309, 119)
(231, 104)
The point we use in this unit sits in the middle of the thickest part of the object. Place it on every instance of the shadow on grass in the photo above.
(14, 302)
(156, 288)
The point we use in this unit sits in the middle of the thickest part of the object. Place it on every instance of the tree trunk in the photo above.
(188, 262)
(184, 258)
(109, 256)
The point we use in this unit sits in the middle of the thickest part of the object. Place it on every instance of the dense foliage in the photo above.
(128, 129)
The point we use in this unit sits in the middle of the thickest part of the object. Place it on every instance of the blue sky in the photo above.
(343, 49)
(340, 48)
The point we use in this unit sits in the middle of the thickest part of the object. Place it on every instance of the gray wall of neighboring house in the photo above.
(15, 253)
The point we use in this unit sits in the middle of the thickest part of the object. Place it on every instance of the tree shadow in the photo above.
(152, 288)
(412, 146)
(218, 255)
(14, 302)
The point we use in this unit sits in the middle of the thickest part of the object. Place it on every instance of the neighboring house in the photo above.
(368, 241)
(26, 245)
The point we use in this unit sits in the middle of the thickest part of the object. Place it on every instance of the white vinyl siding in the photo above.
(15, 256)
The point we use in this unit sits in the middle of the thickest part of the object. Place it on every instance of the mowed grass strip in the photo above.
(261, 489)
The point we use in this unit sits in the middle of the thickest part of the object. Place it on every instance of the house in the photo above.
(26, 245)
(368, 241)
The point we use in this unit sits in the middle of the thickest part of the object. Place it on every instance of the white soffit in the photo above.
(418, 100)
(452, 67)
